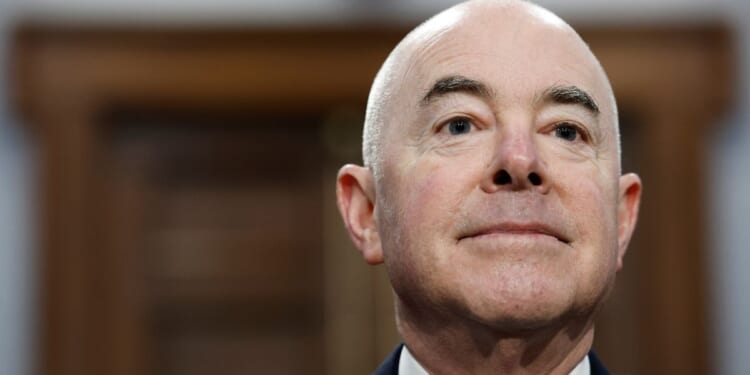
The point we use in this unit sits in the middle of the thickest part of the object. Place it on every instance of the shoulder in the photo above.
(390, 364)
(597, 368)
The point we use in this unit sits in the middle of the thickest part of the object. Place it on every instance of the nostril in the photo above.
(535, 179)
(502, 178)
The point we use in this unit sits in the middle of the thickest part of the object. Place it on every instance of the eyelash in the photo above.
(582, 133)
(445, 125)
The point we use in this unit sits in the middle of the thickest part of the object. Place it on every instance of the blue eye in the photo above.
(567, 132)
(459, 126)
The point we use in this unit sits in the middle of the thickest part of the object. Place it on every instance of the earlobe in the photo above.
(627, 212)
(355, 193)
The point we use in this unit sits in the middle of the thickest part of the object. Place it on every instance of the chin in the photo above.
(523, 304)
(521, 317)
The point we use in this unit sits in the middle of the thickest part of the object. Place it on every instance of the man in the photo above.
(492, 192)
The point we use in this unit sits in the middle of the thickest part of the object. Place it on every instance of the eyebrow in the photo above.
(556, 94)
(457, 83)
(570, 95)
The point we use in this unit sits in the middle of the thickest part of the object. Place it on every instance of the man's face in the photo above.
(500, 195)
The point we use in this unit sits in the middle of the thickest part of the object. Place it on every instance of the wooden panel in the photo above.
(229, 247)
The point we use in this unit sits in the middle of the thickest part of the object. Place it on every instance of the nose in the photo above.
(515, 165)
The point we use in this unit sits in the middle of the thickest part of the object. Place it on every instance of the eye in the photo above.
(459, 126)
(567, 132)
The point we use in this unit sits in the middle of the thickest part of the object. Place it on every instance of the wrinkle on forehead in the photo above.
(419, 45)
(477, 23)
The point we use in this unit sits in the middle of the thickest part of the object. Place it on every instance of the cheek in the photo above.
(422, 201)
(426, 196)
(593, 201)
(435, 190)
(423, 198)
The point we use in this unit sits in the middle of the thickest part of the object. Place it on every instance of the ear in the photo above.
(629, 200)
(355, 192)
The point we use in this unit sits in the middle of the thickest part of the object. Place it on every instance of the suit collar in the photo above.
(390, 365)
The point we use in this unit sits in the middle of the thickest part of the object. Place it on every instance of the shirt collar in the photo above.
(408, 365)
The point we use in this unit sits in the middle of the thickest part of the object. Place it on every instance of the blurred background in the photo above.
(167, 190)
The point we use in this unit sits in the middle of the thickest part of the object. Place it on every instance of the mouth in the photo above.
(517, 229)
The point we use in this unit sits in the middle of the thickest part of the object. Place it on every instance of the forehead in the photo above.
(517, 53)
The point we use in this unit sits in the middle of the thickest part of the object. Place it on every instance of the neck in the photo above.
(446, 345)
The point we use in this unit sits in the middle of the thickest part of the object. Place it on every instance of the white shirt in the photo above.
(408, 365)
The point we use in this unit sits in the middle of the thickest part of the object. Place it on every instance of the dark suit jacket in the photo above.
(390, 365)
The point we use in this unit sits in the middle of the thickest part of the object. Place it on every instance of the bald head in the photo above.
(492, 189)
(476, 28)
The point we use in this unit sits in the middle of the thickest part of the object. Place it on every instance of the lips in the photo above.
(517, 228)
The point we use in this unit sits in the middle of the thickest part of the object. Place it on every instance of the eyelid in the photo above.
(441, 125)
(584, 132)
